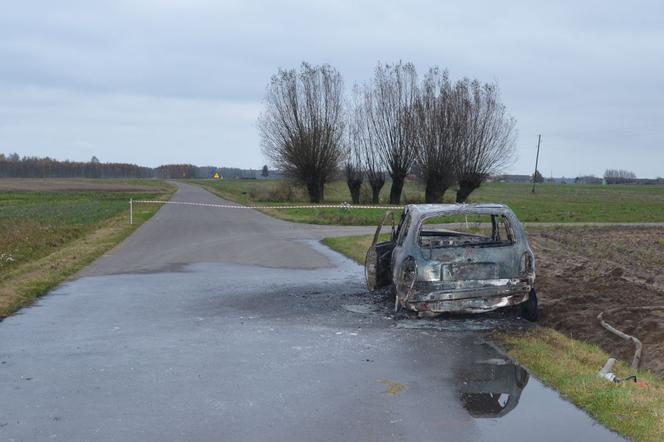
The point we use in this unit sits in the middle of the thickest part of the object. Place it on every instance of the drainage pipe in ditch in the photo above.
(636, 361)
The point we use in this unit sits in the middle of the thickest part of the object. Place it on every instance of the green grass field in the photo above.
(37, 225)
(551, 202)
(34, 224)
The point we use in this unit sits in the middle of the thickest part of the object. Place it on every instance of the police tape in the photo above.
(343, 205)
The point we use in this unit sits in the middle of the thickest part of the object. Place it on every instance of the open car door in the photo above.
(378, 265)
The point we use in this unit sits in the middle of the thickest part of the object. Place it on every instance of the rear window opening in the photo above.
(465, 230)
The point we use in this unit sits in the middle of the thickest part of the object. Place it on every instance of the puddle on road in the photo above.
(491, 388)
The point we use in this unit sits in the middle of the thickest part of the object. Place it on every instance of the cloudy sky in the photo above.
(160, 81)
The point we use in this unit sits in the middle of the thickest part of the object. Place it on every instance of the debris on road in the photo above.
(393, 388)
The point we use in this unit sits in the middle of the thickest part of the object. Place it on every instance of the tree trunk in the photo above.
(395, 190)
(434, 191)
(354, 186)
(375, 192)
(465, 189)
(315, 191)
(376, 184)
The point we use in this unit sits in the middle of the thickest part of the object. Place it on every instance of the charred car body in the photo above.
(467, 258)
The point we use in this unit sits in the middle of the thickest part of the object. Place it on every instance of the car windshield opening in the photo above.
(465, 230)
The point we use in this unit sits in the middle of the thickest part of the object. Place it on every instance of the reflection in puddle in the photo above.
(491, 388)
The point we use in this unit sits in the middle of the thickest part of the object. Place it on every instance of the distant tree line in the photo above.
(448, 133)
(34, 167)
(175, 171)
(628, 178)
(15, 166)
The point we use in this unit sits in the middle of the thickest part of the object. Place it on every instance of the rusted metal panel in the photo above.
(461, 271)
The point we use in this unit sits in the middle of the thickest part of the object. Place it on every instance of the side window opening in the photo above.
(465, 230)
(504, 232)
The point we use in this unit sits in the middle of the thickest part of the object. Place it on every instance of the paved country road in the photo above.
(212, 324)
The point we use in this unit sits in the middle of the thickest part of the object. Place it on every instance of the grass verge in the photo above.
(237, 191)
(48, 237)
(354, 247)
(551, 202)
(635, 410)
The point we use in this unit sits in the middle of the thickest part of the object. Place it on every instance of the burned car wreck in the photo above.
(466, 258)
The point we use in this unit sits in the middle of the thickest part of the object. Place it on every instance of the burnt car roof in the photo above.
(441, 209)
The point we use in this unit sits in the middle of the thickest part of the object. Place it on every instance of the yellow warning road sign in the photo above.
(216, 176)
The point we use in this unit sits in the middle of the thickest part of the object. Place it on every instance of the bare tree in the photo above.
(537, 177)
(490, 133)
(373, 167)
(302, 125)
(389, 104)
(353, 155)
(439, 130)
(362, 139)
(353, 169)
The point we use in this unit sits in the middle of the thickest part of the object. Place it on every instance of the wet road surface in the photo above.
(191, 330)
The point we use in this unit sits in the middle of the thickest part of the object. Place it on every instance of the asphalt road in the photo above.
(213, 324)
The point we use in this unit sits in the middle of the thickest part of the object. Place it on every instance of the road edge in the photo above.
(34, 279)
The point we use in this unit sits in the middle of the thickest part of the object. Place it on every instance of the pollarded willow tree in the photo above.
(439, 131)
(389, 105)
(361, 137)
(353, 159)
(487, 146)
(374, 170)
(303, 123)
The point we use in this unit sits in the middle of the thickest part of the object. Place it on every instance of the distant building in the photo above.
(647, 181)
(516, 179)
(588, 179)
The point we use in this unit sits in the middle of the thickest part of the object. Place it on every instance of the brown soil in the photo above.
(583, 271)
(72, 185)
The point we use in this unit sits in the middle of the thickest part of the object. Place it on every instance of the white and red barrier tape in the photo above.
(238, 206)
(345, 206)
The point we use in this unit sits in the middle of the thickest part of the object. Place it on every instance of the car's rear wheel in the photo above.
(529, 308)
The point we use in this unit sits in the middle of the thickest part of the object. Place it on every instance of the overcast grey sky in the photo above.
(162, 81)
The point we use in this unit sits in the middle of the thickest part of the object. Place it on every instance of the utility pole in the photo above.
(539, 138)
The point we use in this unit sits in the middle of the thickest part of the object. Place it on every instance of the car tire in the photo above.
(529, 308)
